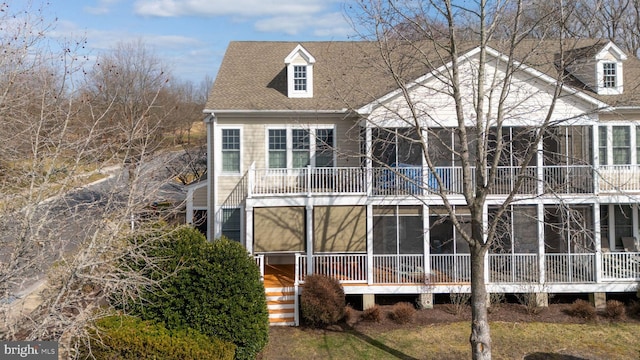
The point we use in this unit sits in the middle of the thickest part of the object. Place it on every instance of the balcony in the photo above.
(418, 181)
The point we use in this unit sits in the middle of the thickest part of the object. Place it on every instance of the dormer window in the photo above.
(608, 70)
(609, 75)
(299, 73)
(300, 78)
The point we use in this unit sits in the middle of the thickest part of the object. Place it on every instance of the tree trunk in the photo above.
(480, 338)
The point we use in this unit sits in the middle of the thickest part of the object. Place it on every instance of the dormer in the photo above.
(600, 68)
(299, 73)
(609, 70)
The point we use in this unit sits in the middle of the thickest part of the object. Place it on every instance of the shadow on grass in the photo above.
(373, 342)
(551, 356)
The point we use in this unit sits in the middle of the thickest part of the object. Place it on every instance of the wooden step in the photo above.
(281, 305)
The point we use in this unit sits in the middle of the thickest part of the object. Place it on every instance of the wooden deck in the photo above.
(278, 276)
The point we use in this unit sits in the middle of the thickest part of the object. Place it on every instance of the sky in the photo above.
(191, 36)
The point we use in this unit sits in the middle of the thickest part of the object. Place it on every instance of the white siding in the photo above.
(527, 103)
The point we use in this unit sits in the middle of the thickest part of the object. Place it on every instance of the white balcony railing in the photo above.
(619, 178)
(412, 180)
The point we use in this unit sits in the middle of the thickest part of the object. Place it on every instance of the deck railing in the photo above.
(398, 269)
(570, 268)
(621, 266)
(412, 180)
(514, 268)
(260, 262)
(456, 268)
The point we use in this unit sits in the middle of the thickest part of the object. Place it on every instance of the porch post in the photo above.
(596, 160)
(597, 240)
(540, 168)
(368, 163)
(426, 241)
(541, 262)
(309, 238)
(369, 244)
(248, 229)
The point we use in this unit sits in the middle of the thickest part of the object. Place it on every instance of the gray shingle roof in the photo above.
(252, 75)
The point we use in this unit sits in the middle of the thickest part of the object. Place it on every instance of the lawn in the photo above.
(594, 339)
(450, 341)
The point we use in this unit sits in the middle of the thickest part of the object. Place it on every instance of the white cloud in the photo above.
(172, 8)
(103, 7)
(325, 25)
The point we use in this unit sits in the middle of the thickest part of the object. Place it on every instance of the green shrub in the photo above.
(583, 309)
(216, 289)
(402, 312)
(322, 301)
(127, 337)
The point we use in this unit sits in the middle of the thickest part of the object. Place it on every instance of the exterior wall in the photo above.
(254, 146)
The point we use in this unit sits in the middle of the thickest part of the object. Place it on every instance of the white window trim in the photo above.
(289, 147)
(218, 151)
(601, 89)
(632, 144)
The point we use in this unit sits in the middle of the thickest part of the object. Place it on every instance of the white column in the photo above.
(541, 262)
(309, 238)
(248, 229)
(369, 244)
(597, 241)
(426, 240)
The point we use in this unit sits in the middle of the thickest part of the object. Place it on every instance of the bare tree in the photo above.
(62, 233)
(468, 58)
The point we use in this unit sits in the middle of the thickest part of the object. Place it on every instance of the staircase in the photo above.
(281, 305)
(281, 294)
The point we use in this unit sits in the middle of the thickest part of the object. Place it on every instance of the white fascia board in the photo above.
(305, 54)
(368, 108)
(611, 47)
(276, 112)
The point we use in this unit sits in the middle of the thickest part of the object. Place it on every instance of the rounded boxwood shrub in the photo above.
(215, 289)
(128, 337)
(322, 301)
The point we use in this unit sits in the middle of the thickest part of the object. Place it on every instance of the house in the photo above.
(314, 170)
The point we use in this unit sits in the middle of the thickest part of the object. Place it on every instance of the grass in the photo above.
(450, 341)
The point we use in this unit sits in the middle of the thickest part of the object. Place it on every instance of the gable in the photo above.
(530, 94)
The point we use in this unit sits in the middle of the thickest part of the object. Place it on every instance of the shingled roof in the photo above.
(350, 74)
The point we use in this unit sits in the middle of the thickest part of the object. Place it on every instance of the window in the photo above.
(621, 145)
(324, 148)
(300, 139)
(638, 144)
(231, 150)
(277, 149)
(300, 78)
(398, 230)
(231, 223)
(297, 146)
(602, 145)
(609, 75)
